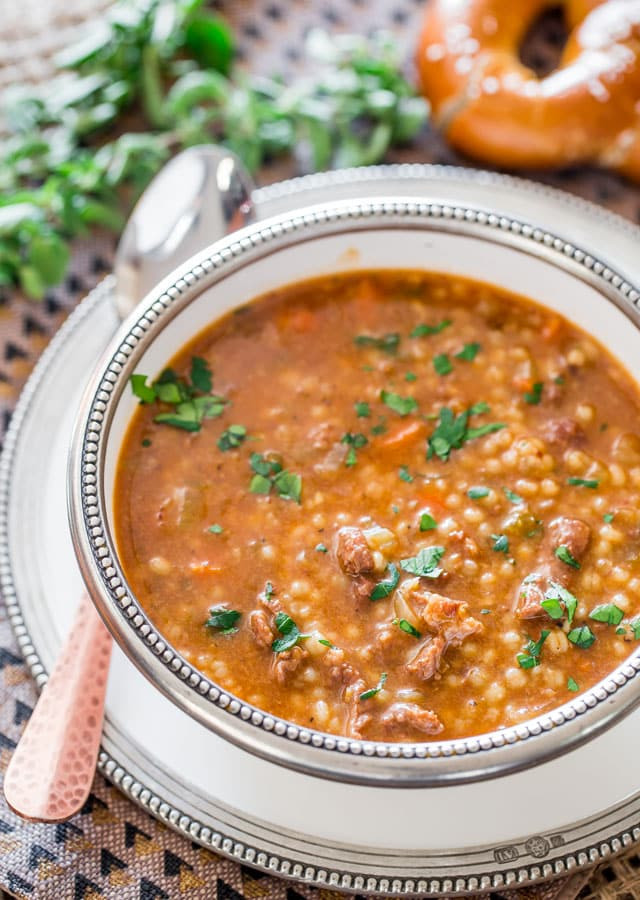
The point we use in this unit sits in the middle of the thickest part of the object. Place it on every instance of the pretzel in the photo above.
(494, 108)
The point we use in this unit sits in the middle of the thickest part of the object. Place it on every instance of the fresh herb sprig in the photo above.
(269, 475)
(167, 65)
(191, 398)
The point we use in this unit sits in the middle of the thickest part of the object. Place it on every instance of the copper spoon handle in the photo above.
(51, 771)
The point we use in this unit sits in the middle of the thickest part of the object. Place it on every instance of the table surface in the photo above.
(112, 849)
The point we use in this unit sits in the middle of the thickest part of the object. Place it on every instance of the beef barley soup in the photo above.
(391, 505)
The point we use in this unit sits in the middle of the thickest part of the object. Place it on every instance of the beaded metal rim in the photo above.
(376, 762)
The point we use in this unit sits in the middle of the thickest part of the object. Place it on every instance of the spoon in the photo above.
(199, 196)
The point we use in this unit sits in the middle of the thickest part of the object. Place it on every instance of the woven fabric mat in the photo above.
(112, 849)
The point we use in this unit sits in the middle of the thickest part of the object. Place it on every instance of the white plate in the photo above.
(519, 828)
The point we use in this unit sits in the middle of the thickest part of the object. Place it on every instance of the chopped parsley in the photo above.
(367, 695)
(427, 522)
(582, 637)
(355, 442)
(453, 431)
(477, 493)
(380, 428)
(321, 548)
(326, 643)
(404, 474)
(468, 352)
(223, 619)
(442, 364)
(604, 426)
(425, 563)
(146, 442)
(592, 483)
(192, 400)
(500, 543)
(388, 343)
(215, 529)
(558, 602)
(608, 518)
(270, 474)
(407, 627)
(634, 625)
(564, 555)
(512, 497)
(485, 612)
(232, 437)
(269, 591)
(387, 585)
(534, 396)
(410, 376)
(530, 656)
(290, 633)
(572, 685)
(608, 613)
(401, 405)
(427, 330)
(363, 410)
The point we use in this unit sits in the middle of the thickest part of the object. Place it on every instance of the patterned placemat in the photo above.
(112, 849)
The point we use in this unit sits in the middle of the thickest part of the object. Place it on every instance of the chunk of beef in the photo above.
(288, 662)
(357, 719)
(261, 628)
(362, 586)
(450, 623)
(574, 534)
(353, 552)
(563, 432)
(401, 718)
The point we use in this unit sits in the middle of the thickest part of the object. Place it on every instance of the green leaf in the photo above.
(530, 657)
(534, 396)
(401, 405)
(427, 330)
(477, 493)
(201, 377)
(388, 585)
(410, 376)
(168, 392)
(232, 437)
(215, 529)
(572, 685)
(289, 631)
(388, 343)
(608, 518)
(223, 619)
(260, 485)
(558, 597)
(592, 483)
(608, 613)
(500, 543)
(144, 392)
(442, 364)
(512, 497)
(468, 352)
(49, 256)
(407, 627)
(582, 637)
(367, 695)
(564, 555)
(31, 282)
(404, 474)
(321, 548)
(425, 563)
(363, 410)
(288, 486)
(427, 522)
(177, 421)
(210, 41)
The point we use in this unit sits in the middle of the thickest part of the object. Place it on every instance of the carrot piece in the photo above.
(405, 433)
(523, 384)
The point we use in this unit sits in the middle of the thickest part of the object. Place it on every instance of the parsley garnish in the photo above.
(608, 613)
(290, 633)
(367, 695)
(477, 493)
(407, 627)
(404, 474)
(564, 555)
(232, 437)
(453, 431)
(387, 585)
(269, 591)
(387, 343)
(425, 563)
(326, 643)
(592, 483)
(146, 442)
(512, 497)
(270, 474)
(427, 522)
(558, 602)
(401, 405)
(608, 517)
(535, 395)
(223, 619)
(192, 403)
(582, 637)
(530, 657)
(363, 410)
(215, 529)
(500, 543)
(634, 625)
(410, 376)
(380, 428)
(321, 548)
(442, 364)
(485, 612)
(355, 442)
(572, 685)
(468, 352)
(426, 330)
